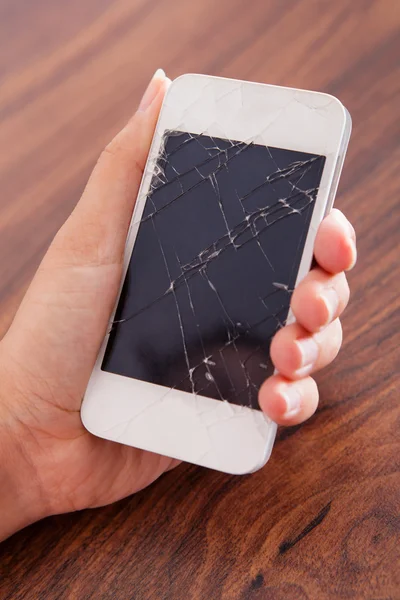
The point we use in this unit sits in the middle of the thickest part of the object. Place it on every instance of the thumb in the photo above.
(59, 327)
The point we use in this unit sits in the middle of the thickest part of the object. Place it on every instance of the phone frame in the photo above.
(212, 433)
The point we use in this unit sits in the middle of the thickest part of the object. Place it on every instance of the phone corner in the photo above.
(338, 108)
(180, 87)
(252, 467)
(349, 121)
(257, 461)
(186, 78)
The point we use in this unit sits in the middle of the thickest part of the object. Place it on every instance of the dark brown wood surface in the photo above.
(321, 520)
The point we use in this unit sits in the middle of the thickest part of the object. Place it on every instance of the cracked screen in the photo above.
(214, 263)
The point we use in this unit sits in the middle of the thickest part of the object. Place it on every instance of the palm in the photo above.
(106, 473)
(80, 469)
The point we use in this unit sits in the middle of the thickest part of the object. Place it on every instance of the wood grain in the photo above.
(321, 520)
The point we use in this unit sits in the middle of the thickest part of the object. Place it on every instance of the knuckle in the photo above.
(119, 151)
(112, 149)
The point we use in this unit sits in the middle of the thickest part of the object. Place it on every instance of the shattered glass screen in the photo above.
(213, 266)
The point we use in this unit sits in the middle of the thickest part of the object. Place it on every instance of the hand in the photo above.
(49, 463)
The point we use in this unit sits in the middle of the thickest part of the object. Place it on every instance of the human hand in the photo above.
(49, 463)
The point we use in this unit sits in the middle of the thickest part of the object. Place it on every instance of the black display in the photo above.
(213, 266)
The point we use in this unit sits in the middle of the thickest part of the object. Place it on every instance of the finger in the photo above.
(319, 299)
(295, 353)
(335, 243)
(69, 302)
(288, 402)
(95, 232)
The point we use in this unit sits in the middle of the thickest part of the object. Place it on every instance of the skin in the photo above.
(49, 463)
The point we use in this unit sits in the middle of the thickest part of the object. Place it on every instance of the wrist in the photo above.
(21, 498)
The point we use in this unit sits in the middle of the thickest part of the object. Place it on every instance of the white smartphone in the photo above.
(238, 178)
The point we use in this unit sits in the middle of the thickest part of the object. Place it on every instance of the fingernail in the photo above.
(292, 398)
(330, 298)
(309, 353)
(339, 216)
(354, 255)
(151, 90)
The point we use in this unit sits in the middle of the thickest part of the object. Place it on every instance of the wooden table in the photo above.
(321, 520)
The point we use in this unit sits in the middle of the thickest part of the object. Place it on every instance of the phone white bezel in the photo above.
(196, 429)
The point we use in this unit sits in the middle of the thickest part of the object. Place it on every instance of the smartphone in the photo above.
(238, 178)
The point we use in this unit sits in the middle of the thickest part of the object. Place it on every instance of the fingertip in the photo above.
(284, 351)
(288, 402)
(320, 298)
(271, 401)
(343, 222)
(335, 244)
(313, 302)
(351, 255)
(345, 242)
